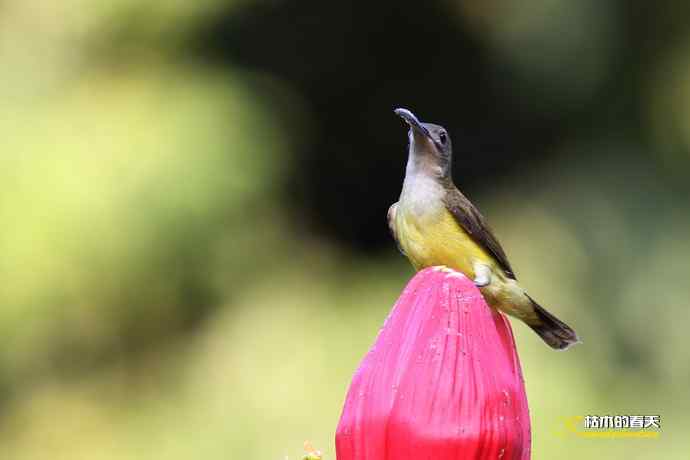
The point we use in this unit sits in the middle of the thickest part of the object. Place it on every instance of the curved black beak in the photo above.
(412, 120)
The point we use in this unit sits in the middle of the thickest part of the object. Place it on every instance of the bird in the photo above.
(434, 224)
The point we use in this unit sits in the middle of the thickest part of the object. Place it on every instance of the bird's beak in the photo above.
(413, 121)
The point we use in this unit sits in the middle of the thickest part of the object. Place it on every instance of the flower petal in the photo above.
(442, 381)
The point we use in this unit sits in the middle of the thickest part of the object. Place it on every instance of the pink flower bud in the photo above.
(442, 381)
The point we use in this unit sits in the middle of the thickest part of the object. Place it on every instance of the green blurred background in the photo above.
(193, 247)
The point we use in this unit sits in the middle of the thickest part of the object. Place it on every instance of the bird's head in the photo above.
(429, 147)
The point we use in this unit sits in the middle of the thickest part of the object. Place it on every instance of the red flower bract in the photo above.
(442, 381)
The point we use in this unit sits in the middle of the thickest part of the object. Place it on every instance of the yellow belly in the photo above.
(437, 239)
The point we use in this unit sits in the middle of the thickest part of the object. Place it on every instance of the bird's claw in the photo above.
(481, 282)
(482, 275)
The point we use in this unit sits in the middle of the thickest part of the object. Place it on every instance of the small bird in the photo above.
(434, 224)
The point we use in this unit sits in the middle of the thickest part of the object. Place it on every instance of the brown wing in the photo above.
(475, 225)
(391, 225)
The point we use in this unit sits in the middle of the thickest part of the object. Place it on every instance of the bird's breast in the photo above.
(433, 237)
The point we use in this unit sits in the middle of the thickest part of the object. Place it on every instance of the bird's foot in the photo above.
(450, 272)
(482, 276)
(481, 282)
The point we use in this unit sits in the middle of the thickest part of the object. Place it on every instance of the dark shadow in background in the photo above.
(353, 62)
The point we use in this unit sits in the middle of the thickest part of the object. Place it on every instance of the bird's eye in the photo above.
(443, 138)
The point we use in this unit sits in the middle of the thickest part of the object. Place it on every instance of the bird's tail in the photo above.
(552, 330)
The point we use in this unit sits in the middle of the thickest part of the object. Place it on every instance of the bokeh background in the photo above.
(193, 245)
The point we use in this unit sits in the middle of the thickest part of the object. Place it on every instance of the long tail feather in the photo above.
(552, 330)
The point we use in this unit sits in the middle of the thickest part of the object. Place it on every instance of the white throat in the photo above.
(422, 193)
